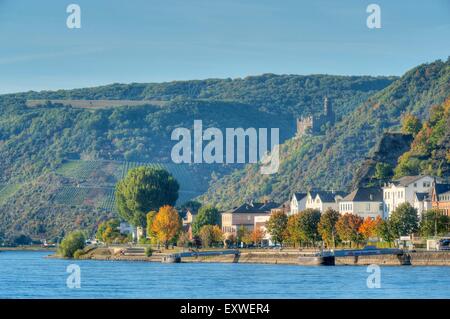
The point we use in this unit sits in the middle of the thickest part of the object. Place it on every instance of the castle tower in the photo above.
(327, 107)
(328, 110)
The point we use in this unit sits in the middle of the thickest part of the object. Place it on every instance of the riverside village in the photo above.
(394, 221)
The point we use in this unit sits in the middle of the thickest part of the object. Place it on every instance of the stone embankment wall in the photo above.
(425, 258)
(415, 259)
(437, 258)
(286, 258)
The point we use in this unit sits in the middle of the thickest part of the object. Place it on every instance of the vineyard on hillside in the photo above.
(93, 182)
(100, 172)
(7, 190)
(98, 197)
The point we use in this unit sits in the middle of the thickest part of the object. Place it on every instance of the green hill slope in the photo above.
(430, 149)
(330, 161)
(59, 144)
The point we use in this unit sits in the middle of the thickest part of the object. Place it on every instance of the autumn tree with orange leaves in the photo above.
(166, 224)
(347, 228)
(369, 227)
(257, 235)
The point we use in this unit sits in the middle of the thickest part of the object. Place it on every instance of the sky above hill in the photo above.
(164, 40)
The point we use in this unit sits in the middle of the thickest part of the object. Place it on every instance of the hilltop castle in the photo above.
(313, 124)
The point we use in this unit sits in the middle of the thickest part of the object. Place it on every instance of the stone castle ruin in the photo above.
(313, 124)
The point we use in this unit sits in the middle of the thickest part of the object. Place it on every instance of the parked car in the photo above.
(443, 244)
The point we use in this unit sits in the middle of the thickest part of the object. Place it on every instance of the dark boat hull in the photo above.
(316, 260)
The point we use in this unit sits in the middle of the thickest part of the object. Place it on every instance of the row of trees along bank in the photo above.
(147, 195)
(310, 227)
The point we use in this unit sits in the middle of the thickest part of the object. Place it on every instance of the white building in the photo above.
(364, 202)
(422, 202)
(125, 228)
(322, 200)
(403, 190)
(260, 222)
(298, 203)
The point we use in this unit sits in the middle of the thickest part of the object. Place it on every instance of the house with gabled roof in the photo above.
(440, 197)
(261, 221)
(187, 217)
(322, 200)
(364, 202)
(298, 203)
(403, 190)
(422, 202)
(244, 216)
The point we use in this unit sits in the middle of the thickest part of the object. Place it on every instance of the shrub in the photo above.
(148, 251)
(78, 253)
(71, 243)
(144, 241)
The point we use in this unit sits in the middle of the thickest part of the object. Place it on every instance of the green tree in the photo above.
(150, 218)
(407, 165)
(23, 240)
(71, 243)
(384, 231)
(308, 221)
(243, 235)
(383, 172)
(108, 231)
(207, 215)
(183, 239)
(210, 234)
(293, 233)
(434, 223)
(411, 124)
(404, 220)
(144, 189)
(348, 228)
(327, 227)
(276, 226)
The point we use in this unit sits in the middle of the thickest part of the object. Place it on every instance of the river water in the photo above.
(25, 274)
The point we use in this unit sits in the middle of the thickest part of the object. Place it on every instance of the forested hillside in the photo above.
(330, 161)
(430, 149)
(41, 144)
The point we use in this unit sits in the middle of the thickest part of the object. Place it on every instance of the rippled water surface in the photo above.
(25, 274)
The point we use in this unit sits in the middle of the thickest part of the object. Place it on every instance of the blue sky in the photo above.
(164, 40)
